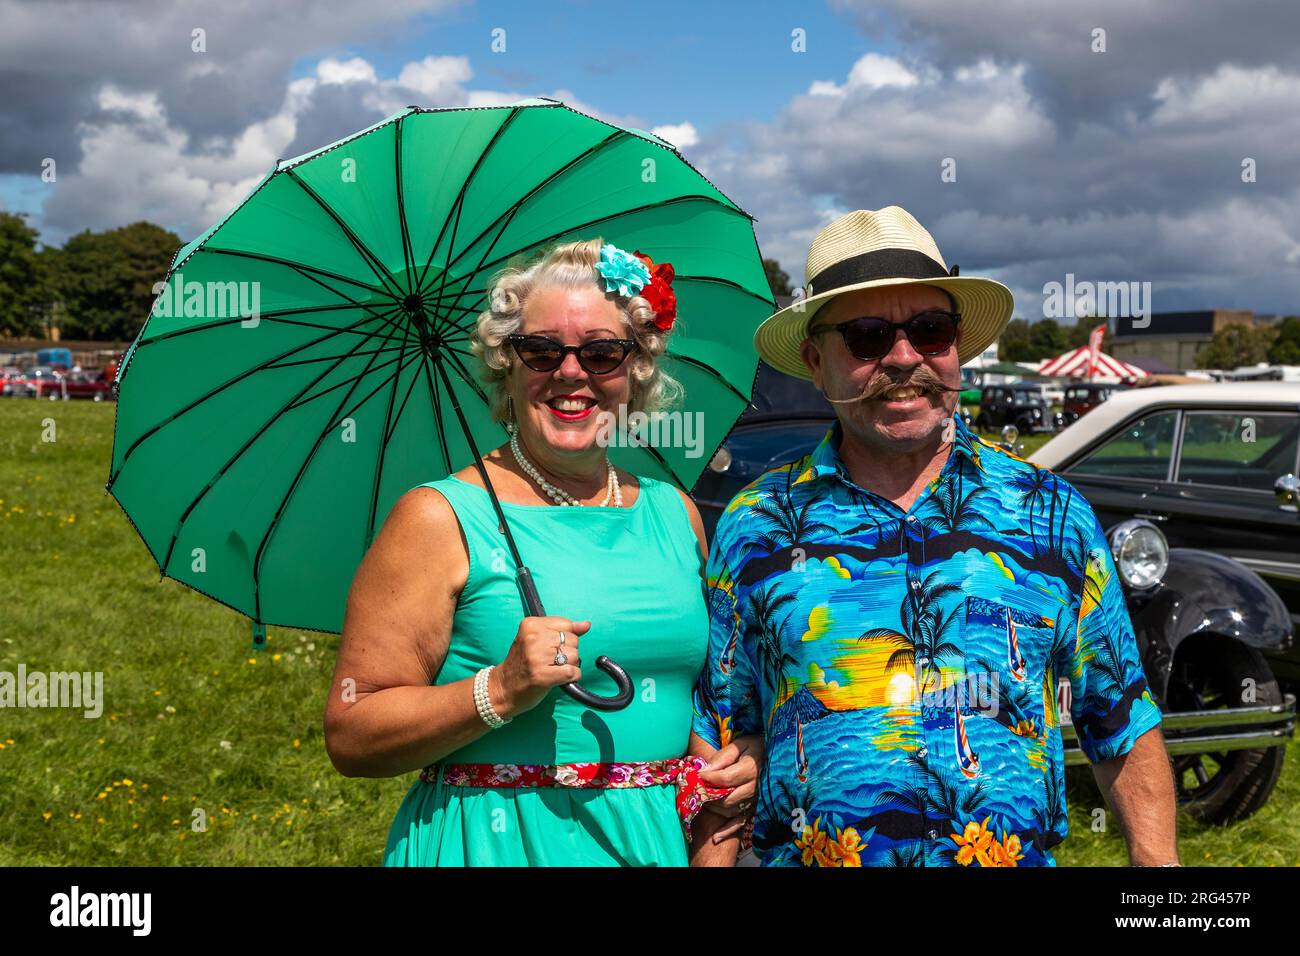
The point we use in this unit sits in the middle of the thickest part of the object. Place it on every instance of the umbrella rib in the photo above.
(402, 408)
(238, 378)
(478, 464)
(460, 197)
(468, 379)
(519, 204)
(383, 447)
(626, 212)
(376, 266)
(288, 495)
(437, 415)
(296, 266)
(326, 358)
(408, 258)
(180, 524)
(654, 453)
(337, 385)
(710, 369)
(273, 316)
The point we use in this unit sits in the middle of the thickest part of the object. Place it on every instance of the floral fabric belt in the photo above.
(683, 772)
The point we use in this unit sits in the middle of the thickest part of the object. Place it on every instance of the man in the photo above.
(894, 609)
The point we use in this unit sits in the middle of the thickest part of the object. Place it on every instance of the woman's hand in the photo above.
(735, 765)
(529, 670)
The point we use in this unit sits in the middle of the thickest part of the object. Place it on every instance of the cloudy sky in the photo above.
(1117, 165)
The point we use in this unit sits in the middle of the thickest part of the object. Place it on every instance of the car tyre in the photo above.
(1233, 785)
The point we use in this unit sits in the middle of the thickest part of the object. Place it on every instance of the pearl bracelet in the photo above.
(483, 702)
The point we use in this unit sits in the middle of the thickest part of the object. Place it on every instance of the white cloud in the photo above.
(872, 72)
(681, 135)
(1229, 93)
(435, 76)
(355, 70)
(144, 106)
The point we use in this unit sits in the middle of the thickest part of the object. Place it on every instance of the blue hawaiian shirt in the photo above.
(903, 665)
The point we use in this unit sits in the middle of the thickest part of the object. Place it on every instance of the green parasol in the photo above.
(307, 361)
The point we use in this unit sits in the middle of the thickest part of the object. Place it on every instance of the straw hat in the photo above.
(869, 248)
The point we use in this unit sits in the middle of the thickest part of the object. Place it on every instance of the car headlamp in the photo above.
(1140, 551)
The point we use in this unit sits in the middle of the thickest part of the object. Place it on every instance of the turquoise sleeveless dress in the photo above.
(634, 572)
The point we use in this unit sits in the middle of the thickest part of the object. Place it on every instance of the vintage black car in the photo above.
(1020, 404)
(1207, 626)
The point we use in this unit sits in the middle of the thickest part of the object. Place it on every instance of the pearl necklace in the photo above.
(561, 497)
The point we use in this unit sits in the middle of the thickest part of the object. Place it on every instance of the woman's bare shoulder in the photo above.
(422, 531)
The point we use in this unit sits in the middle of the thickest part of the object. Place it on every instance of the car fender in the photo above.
(1203, 592)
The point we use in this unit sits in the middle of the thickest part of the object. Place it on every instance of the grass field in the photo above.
(196, 723)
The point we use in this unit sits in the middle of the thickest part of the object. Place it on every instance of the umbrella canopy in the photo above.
(1076, 363)
(258, 447)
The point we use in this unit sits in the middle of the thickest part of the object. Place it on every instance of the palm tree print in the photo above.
(925, 626)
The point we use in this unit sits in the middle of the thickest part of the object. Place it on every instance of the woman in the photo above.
(429, 674)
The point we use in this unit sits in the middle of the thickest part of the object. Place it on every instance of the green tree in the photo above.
(24, 278)
(1047, 339)
(777, 277)
(1285, 349)
(1237, 344)
(107, 279)
(1013, 346)
(1025, 342)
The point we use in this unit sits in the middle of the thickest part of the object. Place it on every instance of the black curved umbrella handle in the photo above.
(533, 604)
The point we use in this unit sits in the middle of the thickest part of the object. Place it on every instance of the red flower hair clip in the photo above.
(659, 292)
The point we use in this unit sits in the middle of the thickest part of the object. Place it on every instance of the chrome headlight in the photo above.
(721, 460)
(1140, 551)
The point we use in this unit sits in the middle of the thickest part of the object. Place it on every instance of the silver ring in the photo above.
(560, 659)
(561, 637)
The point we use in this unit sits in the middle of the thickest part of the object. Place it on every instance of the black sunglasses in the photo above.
(598, 357)
(870, 337)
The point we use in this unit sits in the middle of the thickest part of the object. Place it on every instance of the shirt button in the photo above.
(932, 835)
(911, 519)
(922, 752)
(916, 585)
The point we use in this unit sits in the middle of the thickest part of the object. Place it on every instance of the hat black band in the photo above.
(880, 264)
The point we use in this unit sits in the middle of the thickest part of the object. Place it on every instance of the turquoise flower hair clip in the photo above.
(621, 272)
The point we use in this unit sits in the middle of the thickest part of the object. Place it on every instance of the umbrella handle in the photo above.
(533, 604)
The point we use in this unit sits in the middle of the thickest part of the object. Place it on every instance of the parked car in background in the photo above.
(40, 381)
(1021, 404)
(1083, 397)
(1198, 487)
(787, 417)
(9, 374)
(81, 384)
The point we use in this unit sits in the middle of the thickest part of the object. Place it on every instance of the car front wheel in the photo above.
(1227, 786)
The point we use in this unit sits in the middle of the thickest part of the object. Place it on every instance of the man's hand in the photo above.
(735, 765)
(1140, 789)
(716, 836)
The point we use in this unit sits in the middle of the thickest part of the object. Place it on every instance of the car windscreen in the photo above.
(1141, 449)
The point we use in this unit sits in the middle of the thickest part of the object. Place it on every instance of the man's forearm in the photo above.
(1140, 789)
(703, 851)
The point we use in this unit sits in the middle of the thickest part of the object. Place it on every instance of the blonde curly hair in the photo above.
(571, 265)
